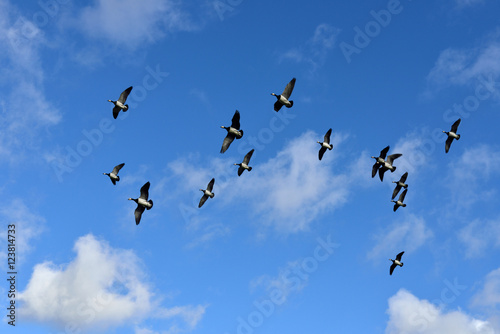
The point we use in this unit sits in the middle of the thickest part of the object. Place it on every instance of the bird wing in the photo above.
(398, 257)
(235, 122)
(393, 157)
(455, 125)
(277, 105)
(203, 199)
(381, 172)
(116, 110)
(402, 196)
(396, 191)
(124, 95)
(113, 181)
(145, 191)
(246, 159)
(375, 168)
(448, 144)
(227, 141)
(383, 153)
(138, 213)
(210, 185)
(288, 89)
(327, 136)
(240, 170)
(403, 177)
(322, 151)
(117, 168)
(392, 268)
(396, 206)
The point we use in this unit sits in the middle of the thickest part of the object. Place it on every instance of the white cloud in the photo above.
(479, 236)
(489, 296)
(129, 23)
(410, 315)
(81, 296)
(408, 234)
(464, 3)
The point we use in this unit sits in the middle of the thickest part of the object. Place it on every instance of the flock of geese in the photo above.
(382, 164)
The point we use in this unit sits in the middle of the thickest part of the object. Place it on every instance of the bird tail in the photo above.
(212, 195)
(117, 178)
(291, 104)
(393, 170)
(241, 134)
(249, 169)
(458, 137)
(402, 264)
(150, 202)
(126, 107)
(404, 205)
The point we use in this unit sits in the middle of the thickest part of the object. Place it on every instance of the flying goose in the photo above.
(400, 200)
(325, 144)
(283, 98)
(207, 192)
(233, 131)
(452, 134)
(382, 164)
(396, 262)
(120, 104)
(244, 164)
(399, 184)
(142, 202)
(114, 174)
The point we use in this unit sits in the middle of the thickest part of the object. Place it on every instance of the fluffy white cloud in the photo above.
(102, 287)
(489, 296)
(129, 23)
(410, 315)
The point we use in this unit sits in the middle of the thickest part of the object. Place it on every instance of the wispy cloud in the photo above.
(479, 236)
(78, 296)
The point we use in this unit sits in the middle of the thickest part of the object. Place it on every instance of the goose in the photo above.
(283, 98)
(142, 202)
(399, 184)
(233, 131)
(325, 144)
(207, 192)
(114, 174)
(396, 262)
(452, 134)
(120, 104)
(400, 200)
(382, 164)
(244, 164)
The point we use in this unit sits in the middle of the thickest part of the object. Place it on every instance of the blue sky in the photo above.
(297, 244)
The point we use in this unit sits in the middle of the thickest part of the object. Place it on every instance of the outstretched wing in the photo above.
(448, 144)
(396, 191)
(138, 213)
(117, 168)
(124, 95)
(396, 206)
(277, 105)
(210, 185)
(227, 141)
(322, 151)
(403, 177)
(381, 172)
(235, 122)
(392, 268)
(454, 127)
(116, 110)
(246, 159)
(203, 199)
(383, 153)
(398, 257)
(145, 191)
(375, 168)
(402, 196)
(288, 89)
(393, 157)
(327, 136)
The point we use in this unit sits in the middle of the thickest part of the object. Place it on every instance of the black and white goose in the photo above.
(114, 174)
(120, 104)
(400, 184)
(233, 131)
(283, 98)
(244, 164)
(452, 134)
(142, 202)
(325, 144)
(382, 164)
(400, 200)
(207, 193)
(396, 262)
